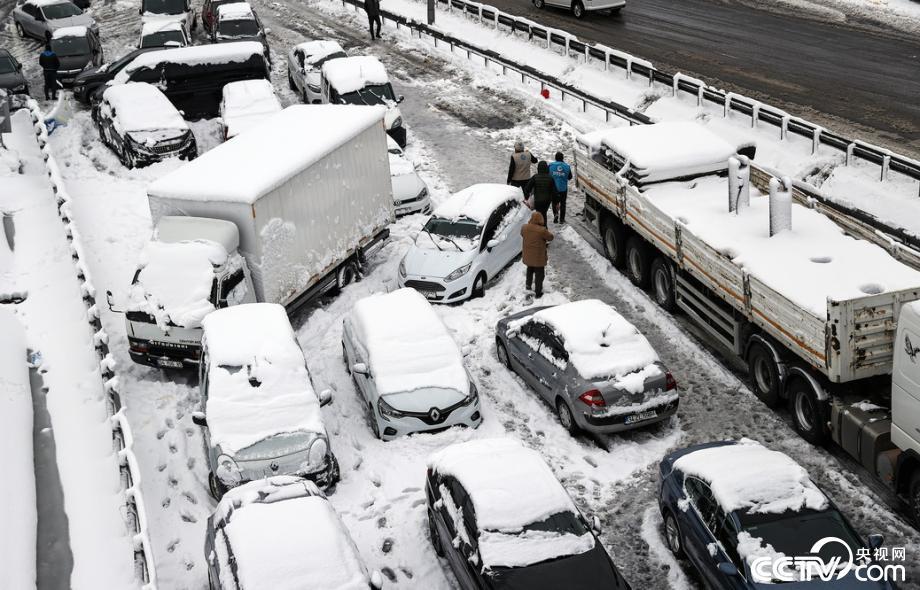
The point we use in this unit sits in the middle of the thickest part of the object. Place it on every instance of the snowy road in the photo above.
(460, 132)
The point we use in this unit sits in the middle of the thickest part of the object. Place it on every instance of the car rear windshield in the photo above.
(794, 533)
(319, 63)
(238, 28)
(561, 522)
(163, 6)
(62, 10)
(370, 95)
(67, 46)
(161, 38)
(453, 228)
(7, 66)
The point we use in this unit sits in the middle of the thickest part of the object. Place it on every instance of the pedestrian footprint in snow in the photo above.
(521, 168)
(534, 251)
(372, 7)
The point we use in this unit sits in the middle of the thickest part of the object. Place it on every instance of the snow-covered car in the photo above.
(594, 368)
(734, 508)
(468, 240)
(209, 13)
(580, 8)
(163, 33)
(363, 80)
(40, 18)
(238, 22)
(164, 11)
(77, 48)
(260, 413)
(305, 62)
(141, 126)
(282, 533)
(407, 368)
(503, 521)
(410, 193)
(11, 77)
(246, 104)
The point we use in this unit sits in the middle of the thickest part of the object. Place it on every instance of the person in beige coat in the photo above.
(534, 251)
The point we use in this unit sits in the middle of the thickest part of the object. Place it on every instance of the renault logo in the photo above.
(273, 466)
(434, 414)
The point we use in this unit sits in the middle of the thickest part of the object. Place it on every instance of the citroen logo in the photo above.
(434, 414)
(273, 466)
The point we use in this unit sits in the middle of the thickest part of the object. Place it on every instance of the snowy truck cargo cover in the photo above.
(307, 189)
(830, 298)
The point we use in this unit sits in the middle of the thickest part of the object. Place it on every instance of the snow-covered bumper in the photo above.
(435, 420)
(325, 477)
(592, 5)
(612, 419)
(418, 204)
(151, 346)
(438, 289)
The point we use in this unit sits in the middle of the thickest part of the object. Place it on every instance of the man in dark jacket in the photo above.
(50, 64)
(543, 188)
(520, 170)
(562, 174)
(533, 251)
(372, 7)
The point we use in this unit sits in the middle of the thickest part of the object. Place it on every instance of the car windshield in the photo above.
(273, 447)
(161, 38)
(794, 533)
(238, 28)
(62, 10)
(561, 522)
(453, 228)
(67, 46)
(317, 64)
(164, 6)
(370, 95)
(7, 65)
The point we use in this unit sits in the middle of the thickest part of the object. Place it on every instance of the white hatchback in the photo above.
(468, 240)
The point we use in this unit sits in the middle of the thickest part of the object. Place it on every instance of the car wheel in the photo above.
(375, 428)
(807, 411)
(538, 3)
(914, 500)
(217, 489)
(638, 261)
(565, 417)
(194, 24)
(20, 31)
(662, 279)
(764, 375)
(435, 537)
(502, 351)
(578, 9)
(291, 84)
(479, 286)
(672, 536)
(614, 237)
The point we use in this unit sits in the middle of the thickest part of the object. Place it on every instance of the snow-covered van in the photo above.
(362, 80)
(168, 11)
(259, 411)
(300, 230)
(408, 369)
(822, 318)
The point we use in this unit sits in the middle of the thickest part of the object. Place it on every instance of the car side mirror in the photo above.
(728, 569)
(359, 368)
(325, 397)
(876, 541)
(198, 418)
(400, 98)
(376, 580)
(110, 300)
(596, 525)
(492, 243)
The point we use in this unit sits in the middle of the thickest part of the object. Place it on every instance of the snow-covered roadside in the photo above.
(897, 15)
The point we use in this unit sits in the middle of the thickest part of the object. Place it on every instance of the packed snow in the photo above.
(750, 548)
(215, 53)
(522, 549)
(247, 104)
(348, 74)
(78, 31)
(476, 202)
(235, 11)
(139, 106)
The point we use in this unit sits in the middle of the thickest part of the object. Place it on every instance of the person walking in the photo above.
(543, 188)
(534, 251)
(50, 63)
(520, 170)
(372, 7)
(562, 174)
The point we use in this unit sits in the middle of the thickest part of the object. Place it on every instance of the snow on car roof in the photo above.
(247, 103)
(175, 280)
(665, 150)
(347, 74)
(276, 149)
(477, 202)
(511, 486)
(258, 384)
(601, 343)
(809, 264)
(47, 2)
(408, 345)
(214, 53)
(748, 476)
(158, 25)
(314, 51)
(299, 542)
(142, 107)
(235, 11)
(69, 32)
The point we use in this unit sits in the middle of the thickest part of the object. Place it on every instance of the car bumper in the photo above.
(436, 290)
(154, 354)
(603, 4)
(390, 428)
(162, 361)
(623, 422)
(409, 206)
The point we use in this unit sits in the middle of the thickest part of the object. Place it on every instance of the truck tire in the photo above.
(809, 414)
(613, 235)
(662, 280)
(638, 262)
(345, 275)
(765, 378)
(913, 501)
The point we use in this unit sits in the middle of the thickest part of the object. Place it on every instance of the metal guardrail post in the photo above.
(886, 164)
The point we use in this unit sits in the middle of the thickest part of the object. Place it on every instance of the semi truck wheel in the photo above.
(808, 412)
(614, 237)
(638, 262)
(663, 284)
(764, 374)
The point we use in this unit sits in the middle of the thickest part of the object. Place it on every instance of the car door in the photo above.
(511, 233)
(536, 363)
(354, 355)
(727, 551)
(697, 525)
(455, 537)
(298, 70)
(490, 258)
(29, 20)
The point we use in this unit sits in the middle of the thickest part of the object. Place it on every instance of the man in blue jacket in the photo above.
(50, 63)
(562, 174)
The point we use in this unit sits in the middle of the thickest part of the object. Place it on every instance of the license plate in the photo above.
(168, 364)
(632, 419)
(428, 294)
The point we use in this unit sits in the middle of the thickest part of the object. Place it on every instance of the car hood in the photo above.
(74, 62)
(80, 20)
(587, 571)
(422, 400)
(12, 80)
(406, 186)
(433, 262)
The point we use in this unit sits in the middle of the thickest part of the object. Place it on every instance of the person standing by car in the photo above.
(562, 174)
(534, 251)
(543, 188)
(50, 63)
(372, 7)
(520, 170)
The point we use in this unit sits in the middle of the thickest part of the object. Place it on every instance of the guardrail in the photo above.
(122, 437)
(896, 241)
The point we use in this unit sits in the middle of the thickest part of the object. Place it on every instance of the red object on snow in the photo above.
(545, 93)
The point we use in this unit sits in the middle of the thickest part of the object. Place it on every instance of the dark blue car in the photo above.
(724, 504)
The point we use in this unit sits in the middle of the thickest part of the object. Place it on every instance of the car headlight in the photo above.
(458, 273)
(402, 268)
(473, 396)
(396, 123)
(388, 411)
(228, 472)
(318, 451)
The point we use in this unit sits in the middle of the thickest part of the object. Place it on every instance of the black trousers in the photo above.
(535, 276)
(51, 84)
(559, 207)
(521, 184)
(374, 19)
(543, 208)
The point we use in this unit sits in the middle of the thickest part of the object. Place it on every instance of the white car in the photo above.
(163, 33)
(245, 105)
(410, 193)
(581, 7)
(305, 63)
(468, 240)
(408, 369)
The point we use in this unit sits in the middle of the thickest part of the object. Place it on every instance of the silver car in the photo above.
(589, 364)
(40, 18)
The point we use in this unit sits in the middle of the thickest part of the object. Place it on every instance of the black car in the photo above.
(488, 501)
(11, 78)
(77, 48)
(91, 79)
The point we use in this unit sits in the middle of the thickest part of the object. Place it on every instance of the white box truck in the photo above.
(827, 322)
(280, 214)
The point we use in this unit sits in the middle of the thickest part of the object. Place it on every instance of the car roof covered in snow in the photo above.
(511, 486)
(313, 51)
(235, 11)
(665, 150)
(246, 104)
(276, 149)
(477, 202)
(258, 384)
(347, 74)
(286, 535)
(78, 31)
(408, 345)
(142, 107)
(214, 53)
(747, 476)
(179, 228)
(158, 25)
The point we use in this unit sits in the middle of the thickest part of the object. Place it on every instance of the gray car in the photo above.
(40, 18)
(589, 364)
(11, 78)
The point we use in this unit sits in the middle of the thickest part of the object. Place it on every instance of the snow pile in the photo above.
(258, 384)
(407, 344)
(476, 202)
(235, 11)
(215, 53)
(751, 548)
(79, 31)
(247, 104)
(175, 281)
(316, 51)
(140, 106)
(348, 74)
(748, 476)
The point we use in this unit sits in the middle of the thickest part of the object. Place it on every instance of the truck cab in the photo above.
(190, 268)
